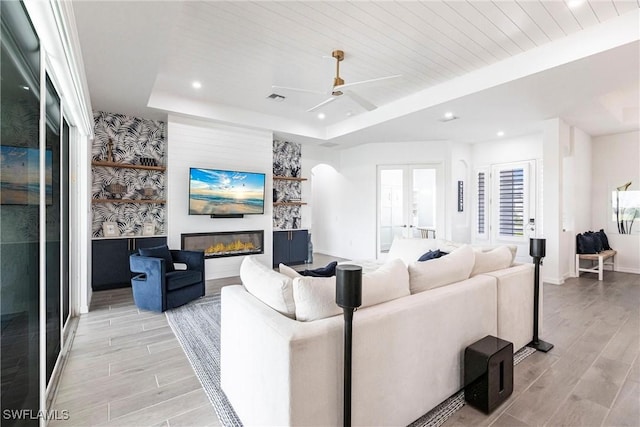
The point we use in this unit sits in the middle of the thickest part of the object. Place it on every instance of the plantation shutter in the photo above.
(482, 193)
(512, 202)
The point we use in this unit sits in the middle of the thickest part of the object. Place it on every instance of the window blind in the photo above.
(512, 202)
(481, 203)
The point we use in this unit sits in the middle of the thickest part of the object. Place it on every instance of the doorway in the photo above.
(410, 199)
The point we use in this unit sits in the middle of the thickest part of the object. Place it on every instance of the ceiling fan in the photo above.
(338, 87)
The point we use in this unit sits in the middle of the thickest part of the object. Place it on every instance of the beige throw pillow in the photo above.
(315, 297)
(496, 259)
(288, 271)
(442, 271)
(270, 287)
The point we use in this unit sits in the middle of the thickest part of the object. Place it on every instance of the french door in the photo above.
(410, 198)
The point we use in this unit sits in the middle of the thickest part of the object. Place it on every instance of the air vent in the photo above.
(275, 97)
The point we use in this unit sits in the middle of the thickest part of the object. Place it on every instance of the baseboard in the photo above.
(627, 270)
(553, 281)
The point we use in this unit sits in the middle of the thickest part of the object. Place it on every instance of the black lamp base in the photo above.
(540, 345)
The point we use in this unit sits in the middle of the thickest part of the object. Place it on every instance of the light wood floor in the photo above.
(127, 368)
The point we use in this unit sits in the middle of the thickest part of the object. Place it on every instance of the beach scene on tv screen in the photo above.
(217, 192)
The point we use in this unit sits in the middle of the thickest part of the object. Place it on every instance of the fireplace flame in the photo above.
(236, 246)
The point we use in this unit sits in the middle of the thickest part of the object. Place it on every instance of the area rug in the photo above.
(197, 328)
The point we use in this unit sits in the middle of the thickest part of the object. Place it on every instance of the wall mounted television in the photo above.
(221, 193)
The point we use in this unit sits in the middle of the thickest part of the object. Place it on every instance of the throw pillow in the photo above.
(288, 271)
(429, 255)
(159, 252)
(315, 297)
(389, 282)
(493, 260)
(441, 271)
(270, 287)
(327, 271)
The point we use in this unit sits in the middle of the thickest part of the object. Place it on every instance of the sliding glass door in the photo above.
(20, 162)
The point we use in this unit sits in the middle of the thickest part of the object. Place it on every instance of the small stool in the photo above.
(488, 373)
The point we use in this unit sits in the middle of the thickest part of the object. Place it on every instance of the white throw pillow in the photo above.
(315, 297)
(288, 271)
(270, 287)
(442, 271)
(390, 281)
(493, 260)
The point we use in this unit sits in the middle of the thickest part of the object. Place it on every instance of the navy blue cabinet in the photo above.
(110, 260)
(290, 247)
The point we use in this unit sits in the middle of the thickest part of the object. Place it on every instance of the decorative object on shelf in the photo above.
(148, 193)
(117, 190)
(110, 151)
(537, 250)
(148, 161)
(349, 297)
(148, 229)
(110, 229)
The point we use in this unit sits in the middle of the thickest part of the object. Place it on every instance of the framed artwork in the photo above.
(148, 229)
(110, 229)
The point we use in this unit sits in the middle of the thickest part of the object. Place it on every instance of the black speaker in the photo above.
(537, 248)
(349, 286)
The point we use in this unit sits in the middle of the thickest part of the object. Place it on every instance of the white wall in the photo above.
(348, 225)
(196, 143)
(615, 161)
(576, 200)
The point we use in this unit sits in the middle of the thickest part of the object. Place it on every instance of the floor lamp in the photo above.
(349, 297)
(537, 249)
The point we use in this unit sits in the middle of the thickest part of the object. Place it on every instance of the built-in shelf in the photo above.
(289, 203)
(289, 178)
(159, 201)
(128, 166)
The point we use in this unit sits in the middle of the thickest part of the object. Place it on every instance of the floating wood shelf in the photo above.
(289, 178)
(128, 166)
(159, 201)
(289, 203)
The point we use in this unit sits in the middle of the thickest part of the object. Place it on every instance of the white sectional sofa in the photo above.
(407, 350)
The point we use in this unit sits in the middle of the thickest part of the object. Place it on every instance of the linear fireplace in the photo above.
(225, 244)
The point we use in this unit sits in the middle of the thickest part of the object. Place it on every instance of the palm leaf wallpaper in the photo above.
(286, 162)
(132, 139)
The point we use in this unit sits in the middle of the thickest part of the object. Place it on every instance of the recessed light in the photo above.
(349, 113)
(196, 85)
(24, 87)
(276, 97)
(500, 133)
(448, 115)
(321, 116)
(572, 4)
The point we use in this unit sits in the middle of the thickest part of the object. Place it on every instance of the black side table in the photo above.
(488, 373)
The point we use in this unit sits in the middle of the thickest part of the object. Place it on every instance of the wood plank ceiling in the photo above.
(238, 50)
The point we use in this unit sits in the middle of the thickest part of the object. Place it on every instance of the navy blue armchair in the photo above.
(159, 286)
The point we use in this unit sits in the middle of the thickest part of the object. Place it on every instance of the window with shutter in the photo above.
(512, 199)
(481, 203)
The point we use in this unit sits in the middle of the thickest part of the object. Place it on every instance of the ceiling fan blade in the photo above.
(296, 89)
(322, 104)
(369, 106)
(364, 82)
